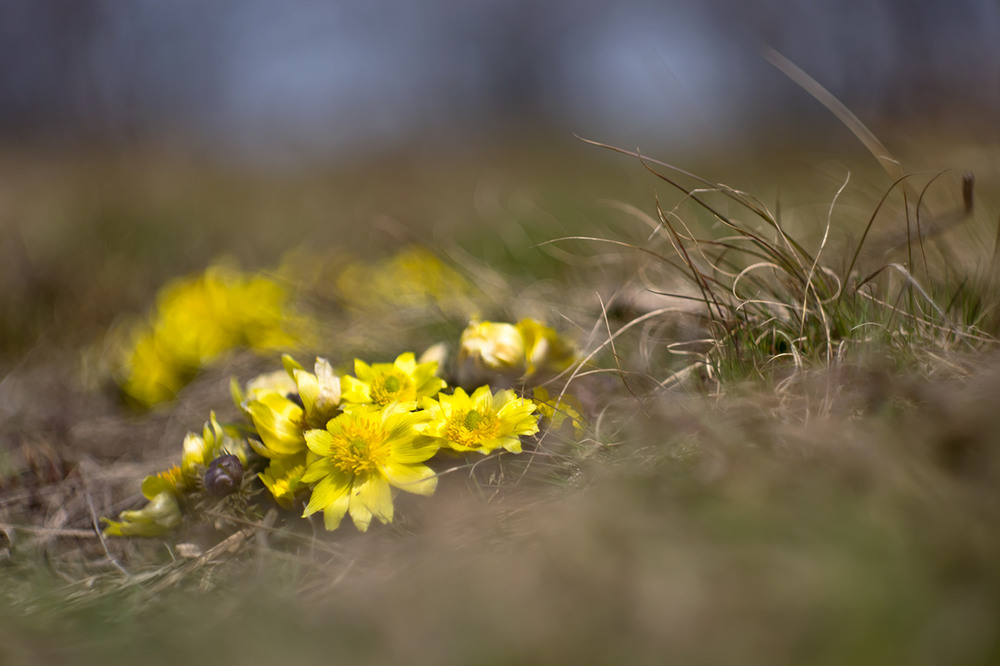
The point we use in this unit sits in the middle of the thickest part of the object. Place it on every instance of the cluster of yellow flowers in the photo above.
(213, 461)
(339, 443)
(197, 320)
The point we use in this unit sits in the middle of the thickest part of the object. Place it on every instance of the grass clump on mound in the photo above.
(768, 304)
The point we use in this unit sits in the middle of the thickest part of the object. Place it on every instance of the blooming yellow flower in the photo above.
(403, 380)
(359, 455)
(483, 422)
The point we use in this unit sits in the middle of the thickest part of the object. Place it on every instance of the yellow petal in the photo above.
(376, 495)
(512, 444)
(418, 479)
(280, 431)
(193, 453)
(261, 450)
(437, 354)
(319, 441)
(406, 362)
(334, 513)
(403, 423)
(329, 385)
(236, 392)
(362, 370)
(290, 364)
(308, 388)
(360, 514)
(327, 491)
(414, 450)
(317, 469)
(483, 397)
(355, 390)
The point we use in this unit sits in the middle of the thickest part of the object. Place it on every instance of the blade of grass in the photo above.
(837, 108)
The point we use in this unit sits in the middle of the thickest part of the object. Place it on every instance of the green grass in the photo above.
(792, 454)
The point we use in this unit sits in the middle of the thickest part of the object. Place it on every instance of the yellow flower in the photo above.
(481, 422)
(200, 450)
(279, 422)
(270, 382)
(545, 350)
(159, 516)
(556, 411)
(489, 351)
(412, 278)
(403, 380)
(196, 321)
(283, 478)
(502, 354)
(359, 455)
(319, 392)
(283, 406)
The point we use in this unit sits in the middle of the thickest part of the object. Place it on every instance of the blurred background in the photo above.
(271, 83)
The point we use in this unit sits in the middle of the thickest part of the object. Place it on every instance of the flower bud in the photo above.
(224, 475)
(490, 353)
(159, 516)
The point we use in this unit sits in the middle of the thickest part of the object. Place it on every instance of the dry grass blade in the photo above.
(750, 203)
(837, 108)
(871, 223)
(67, 532)
(228, 546)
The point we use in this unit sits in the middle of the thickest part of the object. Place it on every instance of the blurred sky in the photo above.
(291, 81)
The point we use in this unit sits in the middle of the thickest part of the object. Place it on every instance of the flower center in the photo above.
(392, 386)
(360, 447)
(471, 428)
(172, 476)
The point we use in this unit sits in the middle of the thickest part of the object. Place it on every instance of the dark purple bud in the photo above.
(224, 475)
